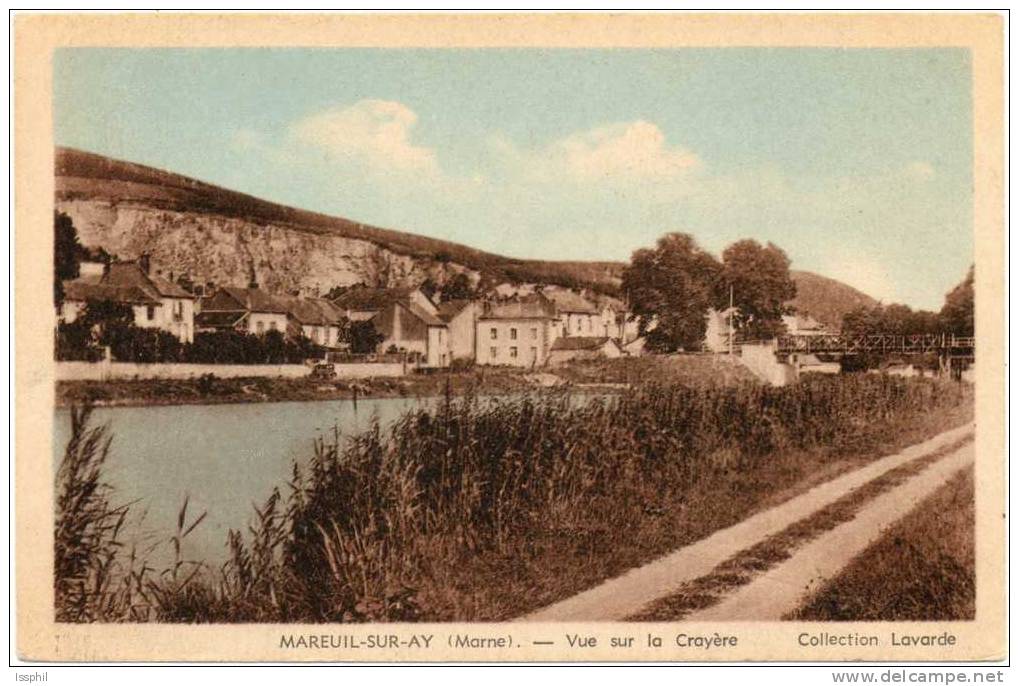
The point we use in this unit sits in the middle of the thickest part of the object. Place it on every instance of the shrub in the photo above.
(235, 347)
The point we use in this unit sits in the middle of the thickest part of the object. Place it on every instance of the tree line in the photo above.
(954, 318)
(671, 287)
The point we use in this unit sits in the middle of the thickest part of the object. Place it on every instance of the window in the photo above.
(534, 354)
(493, 352)
(272, 326)
(513, 351)
(513, 334)
(534, 333)
(494, 334)
(150, 312)
(260, 327)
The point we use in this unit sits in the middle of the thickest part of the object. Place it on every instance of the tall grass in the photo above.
(377, 526)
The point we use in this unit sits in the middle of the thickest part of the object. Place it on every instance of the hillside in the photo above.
(216, 235)
(127, 208)
(826, 299)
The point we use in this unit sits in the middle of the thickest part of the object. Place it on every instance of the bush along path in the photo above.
(644, 593)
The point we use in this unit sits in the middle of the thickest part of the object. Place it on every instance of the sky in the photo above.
(855, 162)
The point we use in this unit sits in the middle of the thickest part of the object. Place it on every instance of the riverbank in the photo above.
(214, 390)
(484, 512)
(593, 376)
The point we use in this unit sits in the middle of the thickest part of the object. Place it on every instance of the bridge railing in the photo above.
(883, 343)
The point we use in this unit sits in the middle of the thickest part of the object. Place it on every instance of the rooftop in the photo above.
(363, 298)
(535, 307)
(580, 343)
(568, 301)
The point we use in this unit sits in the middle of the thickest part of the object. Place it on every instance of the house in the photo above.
(719, 336)
(615, 319)
(316, 319)
(155, 301)
(577, 316)
(407, 319)
(248, 310)
(407, 327)
(461, 319)
(583, 348)
(361, 303)
(517, 332)
(803, 325)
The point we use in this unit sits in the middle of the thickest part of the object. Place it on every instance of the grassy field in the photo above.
(479, 512)
(923, 569)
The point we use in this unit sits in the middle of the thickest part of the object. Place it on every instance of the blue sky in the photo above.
(856, 162)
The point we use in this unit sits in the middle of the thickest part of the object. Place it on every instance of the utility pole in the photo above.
(731, 335)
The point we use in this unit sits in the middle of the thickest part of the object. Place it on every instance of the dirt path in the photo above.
(629, 593)
(784, 588)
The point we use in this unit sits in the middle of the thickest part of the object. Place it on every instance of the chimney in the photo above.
(252, 277)
(144, 262)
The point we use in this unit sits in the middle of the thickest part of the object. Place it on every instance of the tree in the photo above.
(66, 254)
(761, 287)
(957, 312)
(363, 337)
(670, 289)
(457, 288)
(429, 287)
(894, 319)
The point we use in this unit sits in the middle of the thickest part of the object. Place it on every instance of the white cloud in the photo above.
(637, 149)
(614, 153)
(372, 132)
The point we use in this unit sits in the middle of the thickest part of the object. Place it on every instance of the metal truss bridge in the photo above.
(940, 344)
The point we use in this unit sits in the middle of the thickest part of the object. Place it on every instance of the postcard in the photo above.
(509, 337)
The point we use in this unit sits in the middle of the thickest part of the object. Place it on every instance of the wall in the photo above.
(401, 329)
(104, 371)
(321, 334)
(610, 324)
(530, 333)
(580, 324)
(270, 321)
(438, 347)
(716, 336)
(462, 329)
(760, 359)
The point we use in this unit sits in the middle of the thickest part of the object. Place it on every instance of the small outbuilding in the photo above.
(583, 348)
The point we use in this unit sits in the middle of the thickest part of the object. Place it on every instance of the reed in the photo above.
(420, 521)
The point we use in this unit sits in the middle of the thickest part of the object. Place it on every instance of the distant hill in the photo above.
(827, 300)
(217, 235)
(88, 181)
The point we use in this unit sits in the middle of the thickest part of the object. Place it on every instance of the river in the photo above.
(223, 458)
